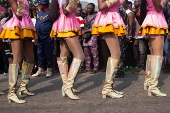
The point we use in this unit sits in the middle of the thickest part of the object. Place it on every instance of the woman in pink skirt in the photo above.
(21, 31)
(109, 23)
(67, 28)
(155, 27)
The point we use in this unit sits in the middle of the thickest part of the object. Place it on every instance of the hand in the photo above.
(83, 32)
(52, 38)
(127, 40)
(147, 37)
(84, 36)
(35, 41)
(18, 17)
(136, 42)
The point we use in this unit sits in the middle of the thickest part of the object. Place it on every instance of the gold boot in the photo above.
(70, 80)
(13, 74)
(112, 65)
(63, 67)
(26, 73)
(156, 64)
(148, 72)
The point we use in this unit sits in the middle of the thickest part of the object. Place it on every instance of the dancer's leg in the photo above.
(77, 51)
(27, 67)
(112, 66)
(17, 49)
(156, 63)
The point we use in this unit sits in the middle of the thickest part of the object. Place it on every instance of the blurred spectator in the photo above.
(44, 43)
(78, 16)
(90, 41)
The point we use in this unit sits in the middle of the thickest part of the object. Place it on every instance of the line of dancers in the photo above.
(108, 22)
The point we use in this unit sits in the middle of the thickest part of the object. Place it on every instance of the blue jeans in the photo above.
(45, 52)
(167, 49)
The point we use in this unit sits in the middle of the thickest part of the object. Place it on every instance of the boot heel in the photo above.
(103, 96)
(9, 101)
(63, 94)
(149, 94)
(19, 93)
(145, 88)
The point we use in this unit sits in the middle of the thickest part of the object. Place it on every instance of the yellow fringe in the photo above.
(118, 30)
(151, 25)
(149, 30)
(68, 30)
(65, 34)
(17, 33)
(8, 28)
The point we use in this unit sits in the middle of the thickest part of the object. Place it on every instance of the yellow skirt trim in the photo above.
(17, 33)
(65, 34)
(118, 30)
(154, 31)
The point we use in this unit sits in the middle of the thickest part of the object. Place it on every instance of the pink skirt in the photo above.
(26, 23)
(66, 26)
(108, 22)
(154, 24)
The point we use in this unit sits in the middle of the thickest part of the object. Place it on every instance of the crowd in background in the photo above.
(134, 49)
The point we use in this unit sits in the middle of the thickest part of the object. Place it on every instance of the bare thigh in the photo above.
(64, 48)
(157, 45)
(17, 50)
(75, 48)
(28, 51)
(113, 44)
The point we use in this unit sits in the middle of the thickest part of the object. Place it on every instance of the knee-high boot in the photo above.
(148, 72)
(26, 73)
(112, 66)
(13, 74)
(63, 68)
(71, 77)
(156, 64)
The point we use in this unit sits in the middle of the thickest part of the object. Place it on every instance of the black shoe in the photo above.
(120, 74)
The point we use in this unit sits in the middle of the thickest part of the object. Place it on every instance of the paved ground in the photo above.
(49, 99)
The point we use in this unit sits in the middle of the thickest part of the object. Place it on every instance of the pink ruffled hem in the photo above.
(66, 24)
(105, 18)
(156, 20)
(26, 23)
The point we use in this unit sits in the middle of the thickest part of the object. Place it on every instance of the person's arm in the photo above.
(64, 7)
(157, 4)
(131, 18)
(85, 31)
(68, 6)
(14, 6)
(102, 5)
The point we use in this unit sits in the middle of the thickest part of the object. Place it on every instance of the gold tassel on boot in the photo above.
(112, 65)
(71, 76)
(156, 64)
(13, 74)
(148, 72)
(26, 73)
(63, 67)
